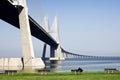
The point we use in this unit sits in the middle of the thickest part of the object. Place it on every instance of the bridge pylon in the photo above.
(54, 32)
(55, 54)
(29, 60)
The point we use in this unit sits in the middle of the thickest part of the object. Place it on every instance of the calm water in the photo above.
(86, 65)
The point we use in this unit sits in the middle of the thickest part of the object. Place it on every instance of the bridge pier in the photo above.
(55, 65)
(27, 46)
(44, 51)
(57, 56)
(52, 51)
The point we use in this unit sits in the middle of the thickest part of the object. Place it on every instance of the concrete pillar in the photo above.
(44, 51)
(27, 46)
(52, 51)
(59, 52)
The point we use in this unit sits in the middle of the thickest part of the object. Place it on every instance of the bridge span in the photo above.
(10, 14)
(16, 15)
(89, 57)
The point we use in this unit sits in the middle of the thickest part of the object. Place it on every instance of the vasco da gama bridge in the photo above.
(15, 13)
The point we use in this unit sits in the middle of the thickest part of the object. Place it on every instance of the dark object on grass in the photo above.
(10, 71)
(43, 71)
(79, 70)
(110, 70)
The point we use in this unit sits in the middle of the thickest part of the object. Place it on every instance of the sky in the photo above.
(86, 27)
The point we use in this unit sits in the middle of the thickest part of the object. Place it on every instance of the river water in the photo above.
(88, 65)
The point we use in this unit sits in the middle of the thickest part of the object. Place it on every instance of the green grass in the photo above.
(61, 76)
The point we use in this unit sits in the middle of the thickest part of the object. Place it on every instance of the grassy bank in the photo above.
(61, 76)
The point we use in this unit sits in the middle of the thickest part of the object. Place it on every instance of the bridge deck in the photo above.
(10, 14)
(53, 58)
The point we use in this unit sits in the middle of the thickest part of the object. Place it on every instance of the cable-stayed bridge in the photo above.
(73, 55)
(15, 12)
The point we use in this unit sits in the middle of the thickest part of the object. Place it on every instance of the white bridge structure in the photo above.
(15, 12)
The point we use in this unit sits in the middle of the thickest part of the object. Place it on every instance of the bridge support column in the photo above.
(52, 51)
(27, 46)
(59, 52)
(44, 51)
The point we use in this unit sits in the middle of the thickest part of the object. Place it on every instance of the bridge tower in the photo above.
(29, 61)
(55, 54)
(55, 34)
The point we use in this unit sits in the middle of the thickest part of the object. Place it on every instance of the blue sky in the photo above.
(89, 27)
